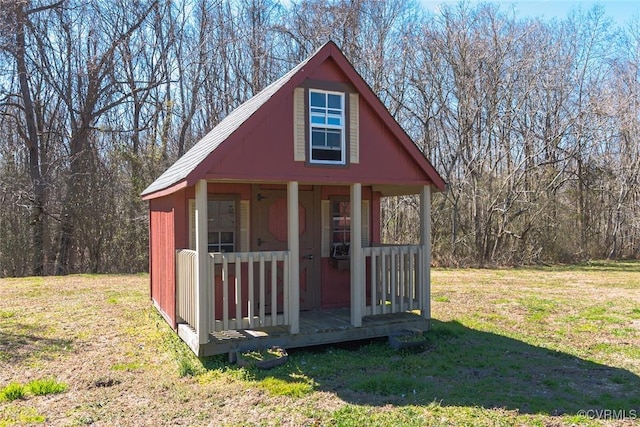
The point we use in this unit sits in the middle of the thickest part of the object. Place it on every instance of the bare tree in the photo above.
(29, 115)
(534, 125)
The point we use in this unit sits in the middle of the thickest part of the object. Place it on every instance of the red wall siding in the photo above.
(335, 290)
(336, 285)
(329, 71)
(162, 255)
(181, 219)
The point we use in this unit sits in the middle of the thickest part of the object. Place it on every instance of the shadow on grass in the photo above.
(463, 367)
(17, 346)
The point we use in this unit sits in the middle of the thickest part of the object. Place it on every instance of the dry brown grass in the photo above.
(99, 335)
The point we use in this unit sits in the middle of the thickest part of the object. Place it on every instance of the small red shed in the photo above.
(268, 230)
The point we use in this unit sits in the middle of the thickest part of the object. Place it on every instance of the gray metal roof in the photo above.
(181, 169)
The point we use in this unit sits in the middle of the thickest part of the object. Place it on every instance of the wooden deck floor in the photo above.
(316, 327)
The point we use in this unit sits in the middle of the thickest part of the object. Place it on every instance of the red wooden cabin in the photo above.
(268, 230)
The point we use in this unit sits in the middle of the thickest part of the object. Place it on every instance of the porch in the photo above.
(225, 299)
(247, 301)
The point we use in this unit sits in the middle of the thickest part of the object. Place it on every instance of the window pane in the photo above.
(335, 101)
(326, 155)
(212, 213)
(333, 139)
(318, 120)
(341, 222)
(227, 214)
(341, 209)
(342, 236)
(318, 138)
(334, 121)
(318, 99)
(226, 237)
(221, 213)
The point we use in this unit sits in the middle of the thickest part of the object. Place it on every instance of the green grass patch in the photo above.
(130, 366)
(12, 391)
(357, 416)
(601, 313)
(46, 386)
(539, 308)
(187, 367)
(295, 387)
(40, 387)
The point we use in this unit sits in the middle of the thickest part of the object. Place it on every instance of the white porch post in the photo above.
(425, 242)
(202, 255)
(357, 259)
(294, 257)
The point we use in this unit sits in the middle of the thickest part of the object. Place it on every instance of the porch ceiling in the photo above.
(384, 189)
(398, 190)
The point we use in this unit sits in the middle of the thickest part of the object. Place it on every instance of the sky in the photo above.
(620, 11)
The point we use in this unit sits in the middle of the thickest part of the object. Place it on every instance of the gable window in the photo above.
(326, 127)
(221, 225)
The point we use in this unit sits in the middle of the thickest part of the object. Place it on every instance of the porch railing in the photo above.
(252, 289)
(394, 283)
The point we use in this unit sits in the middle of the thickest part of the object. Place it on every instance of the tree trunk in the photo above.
(32, 142)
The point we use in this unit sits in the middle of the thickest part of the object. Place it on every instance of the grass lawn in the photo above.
(543, 346)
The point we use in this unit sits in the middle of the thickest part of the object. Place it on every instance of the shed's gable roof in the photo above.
(189, 168)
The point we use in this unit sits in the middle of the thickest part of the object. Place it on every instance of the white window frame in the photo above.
(327, 115)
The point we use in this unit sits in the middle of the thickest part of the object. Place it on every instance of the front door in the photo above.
(270, 225)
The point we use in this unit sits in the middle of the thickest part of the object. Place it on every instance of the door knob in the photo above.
(310, 256)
